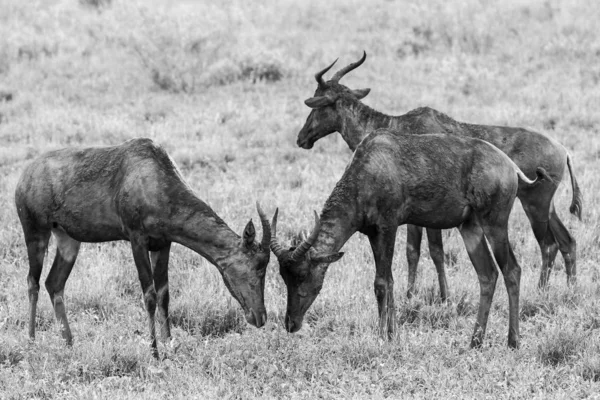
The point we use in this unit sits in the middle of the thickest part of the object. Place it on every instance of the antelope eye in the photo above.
(301, 275)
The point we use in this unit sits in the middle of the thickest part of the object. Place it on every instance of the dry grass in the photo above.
(221, 88)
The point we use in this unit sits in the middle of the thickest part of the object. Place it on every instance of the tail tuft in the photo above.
(576, 208)
(577, 202)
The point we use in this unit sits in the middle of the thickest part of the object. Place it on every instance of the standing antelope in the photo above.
(336, 108)
(437, 181)
(132, 192)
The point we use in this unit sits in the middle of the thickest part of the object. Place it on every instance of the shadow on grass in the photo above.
(209, 322)
(428, 309)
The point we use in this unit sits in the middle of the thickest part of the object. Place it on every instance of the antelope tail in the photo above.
(577, 202)
(540, 174)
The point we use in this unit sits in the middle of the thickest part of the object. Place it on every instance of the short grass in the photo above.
(220, 85)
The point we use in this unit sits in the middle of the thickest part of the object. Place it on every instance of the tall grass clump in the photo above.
(562, 345)
(185, 55)
(208, 321)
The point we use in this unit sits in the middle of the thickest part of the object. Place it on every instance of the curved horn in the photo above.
(340, 74)
(266, 227)
(275, 246)
(319, 75)
(307, 244)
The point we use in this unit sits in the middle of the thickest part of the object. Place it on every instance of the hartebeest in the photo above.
(135, 192)
(436, 181)
(336, 108)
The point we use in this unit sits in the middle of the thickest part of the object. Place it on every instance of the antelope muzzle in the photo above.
(293, 325)
(256, 317)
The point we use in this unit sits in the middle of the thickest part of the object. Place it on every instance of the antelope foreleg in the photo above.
(382, 244)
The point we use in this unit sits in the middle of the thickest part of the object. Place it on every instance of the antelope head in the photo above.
(244, 272)
(325, 115)
(303, 272)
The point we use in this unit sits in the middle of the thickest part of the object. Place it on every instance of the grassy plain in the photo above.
(221, 86)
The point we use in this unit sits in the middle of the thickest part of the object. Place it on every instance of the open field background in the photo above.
(221, 87)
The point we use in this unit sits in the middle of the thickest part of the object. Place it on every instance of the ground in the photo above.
(221, 87)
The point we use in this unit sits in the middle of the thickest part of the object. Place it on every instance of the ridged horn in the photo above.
(319, 75)
(340, 74)
(275, 246)
(301, 250)
(266, 227)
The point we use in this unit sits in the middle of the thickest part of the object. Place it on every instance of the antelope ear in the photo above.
(327, 259)
(360, 93)
(248, 235)
(319, 101)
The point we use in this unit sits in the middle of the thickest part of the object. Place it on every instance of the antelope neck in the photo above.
(201, 230)
(337, 225)
(359, 120)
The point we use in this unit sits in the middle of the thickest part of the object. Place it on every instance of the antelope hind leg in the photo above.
(67, 249)
(436, 251)
(483, 262)
(160, 266)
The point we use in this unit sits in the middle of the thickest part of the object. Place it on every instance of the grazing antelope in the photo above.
(436, 181)
(132, 192)
(336, 108)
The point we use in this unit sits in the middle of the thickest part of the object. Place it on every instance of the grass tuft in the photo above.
(561, 346)
(465, 306)
(590, 368)
(10, 357)
(96, 307)
(536, 306)
(409, 312)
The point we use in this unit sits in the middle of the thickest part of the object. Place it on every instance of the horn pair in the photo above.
(301, 250)
(340, 74)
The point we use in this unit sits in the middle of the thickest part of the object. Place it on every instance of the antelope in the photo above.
(134, 192)
(336, 108)
(437, 181)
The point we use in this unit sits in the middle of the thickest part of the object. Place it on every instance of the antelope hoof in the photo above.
(155, 351)
(476, 343)
(477, 338)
